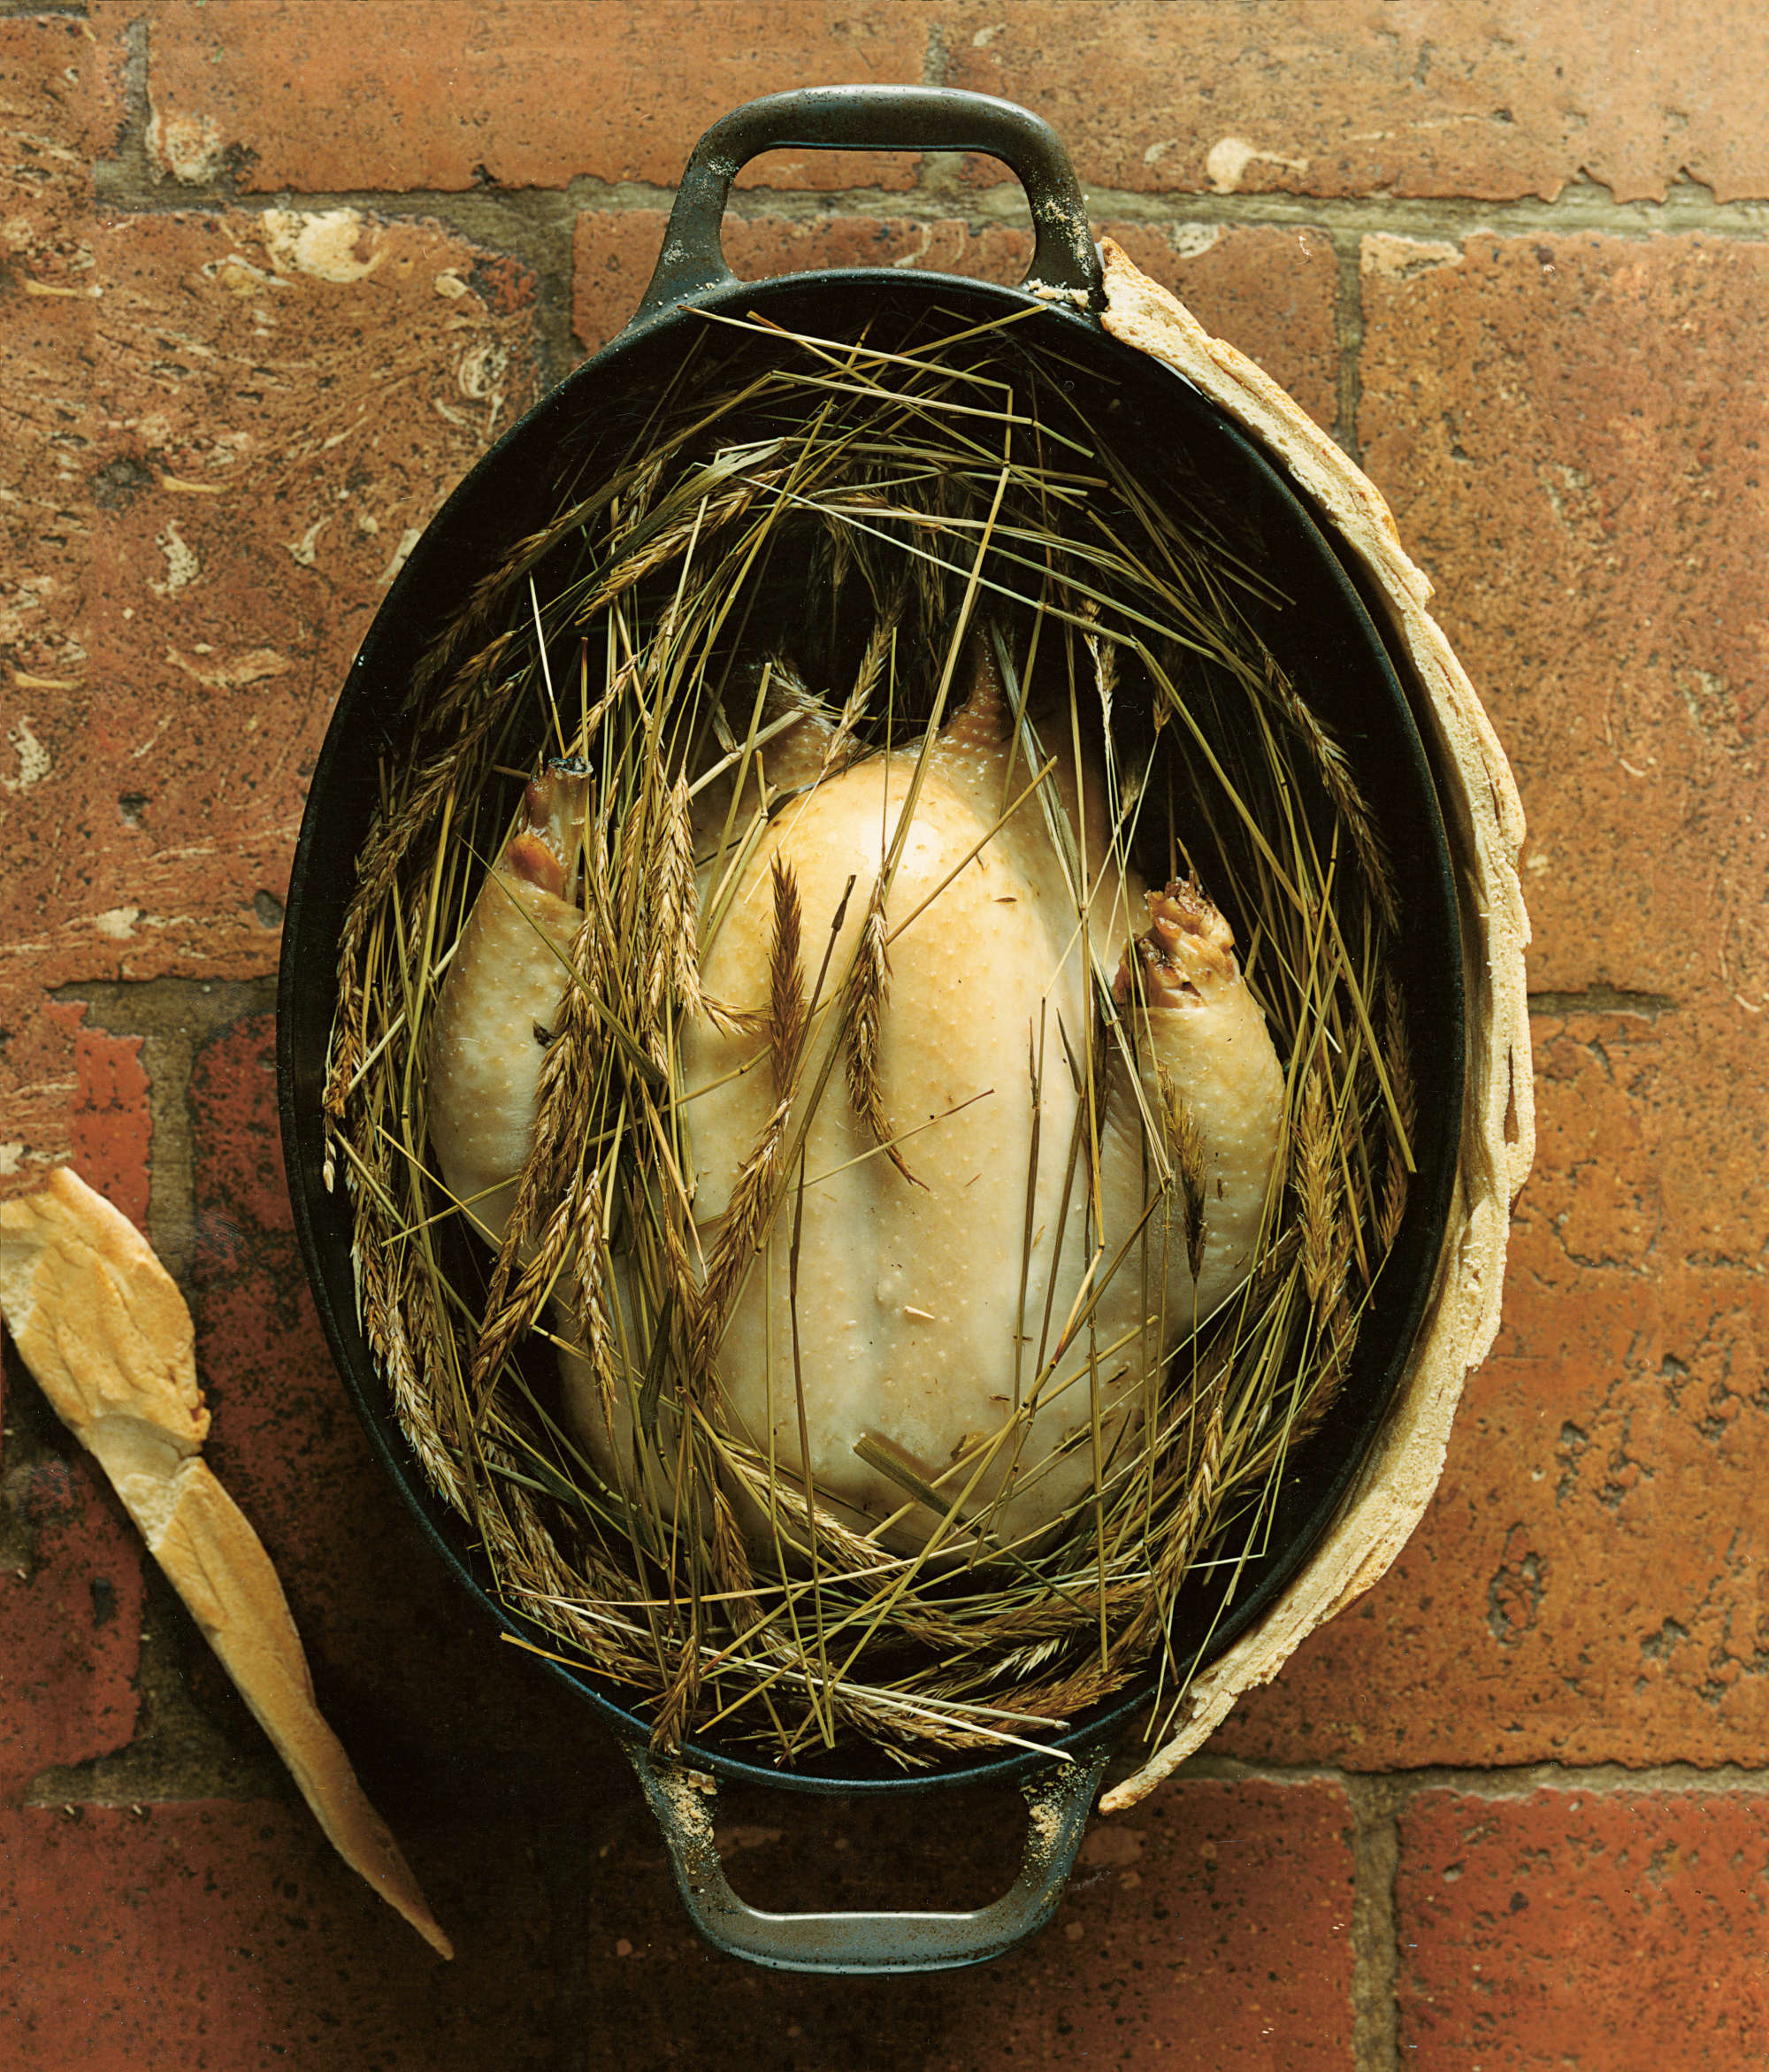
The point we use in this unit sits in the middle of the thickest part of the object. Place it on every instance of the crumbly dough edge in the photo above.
(1484, 823)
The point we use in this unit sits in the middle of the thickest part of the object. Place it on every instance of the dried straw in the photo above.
(798, 513)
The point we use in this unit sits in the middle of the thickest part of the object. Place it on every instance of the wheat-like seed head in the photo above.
(662, 558)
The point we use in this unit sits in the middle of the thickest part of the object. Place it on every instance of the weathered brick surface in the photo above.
(1273, 292)
(1159, 95)
(1569, 440)
(1209, 1929)
(1580, 1589)
(70, 1618)
(267, 409)
(229, 1936)
(1569, 1929)
(412, 1678)
(48, 101)
(1494, 102)
(47, 257)
(112, 1132)
(289, 397)
(1565, 432)
(61, 108)
(613, 253)
(524, 93)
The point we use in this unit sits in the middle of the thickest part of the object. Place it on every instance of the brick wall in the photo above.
(272, 272)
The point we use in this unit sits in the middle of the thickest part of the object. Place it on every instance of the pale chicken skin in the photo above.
(924, 1319)
(500, 1000)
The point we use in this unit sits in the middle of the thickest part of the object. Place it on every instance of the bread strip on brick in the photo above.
(102, 1325)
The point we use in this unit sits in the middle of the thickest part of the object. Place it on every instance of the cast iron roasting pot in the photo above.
(1327, 637)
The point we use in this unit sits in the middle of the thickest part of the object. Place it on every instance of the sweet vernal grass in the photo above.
(800, 525)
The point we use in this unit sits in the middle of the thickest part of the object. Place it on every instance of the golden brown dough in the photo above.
(102, 1325)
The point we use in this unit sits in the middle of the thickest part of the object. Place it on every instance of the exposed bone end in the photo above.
(1186, 953)
(545, 853)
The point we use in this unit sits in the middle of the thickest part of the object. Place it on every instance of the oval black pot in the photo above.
(1326, 637)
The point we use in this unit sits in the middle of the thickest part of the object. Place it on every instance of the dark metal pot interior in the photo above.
(1325, 636)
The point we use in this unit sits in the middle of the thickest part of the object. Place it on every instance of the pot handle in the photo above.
(1058, 1797)
(876, 118)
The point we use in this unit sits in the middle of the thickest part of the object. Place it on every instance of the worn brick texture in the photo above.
(1562, 425)
(1493, 103)
(70, 1616)
(221, 1934)
(1576, 1929)
(1152, 95)
(232, 427)
(531, 95)
(273, 274)
(1210, 1930)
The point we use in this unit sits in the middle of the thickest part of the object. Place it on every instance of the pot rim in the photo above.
(302, 1134)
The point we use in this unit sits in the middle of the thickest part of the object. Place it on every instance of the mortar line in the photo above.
(1602, 1000)
(936, 57)
(127, 183)
(1375, 1944)
(1494, 1781)
(1379, 1801)
(1348, 314)
(174, 1017)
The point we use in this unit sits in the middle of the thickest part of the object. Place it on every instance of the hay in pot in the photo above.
(821, 543)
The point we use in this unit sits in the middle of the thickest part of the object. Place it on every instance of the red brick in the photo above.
(70, 1623)
(37, 1076)
(1208, 1930)
(613, 254)
(228, 1934)
(523, 92)
(1574, 1927)
(1656, 1154)
(48, 94)
(1583, 1588)
(58, 89)
(1274, 291)
(410, 1678)
(112, 1129)
(1561, 426)
(232, 1101)
(1496, 102)
(272, 406)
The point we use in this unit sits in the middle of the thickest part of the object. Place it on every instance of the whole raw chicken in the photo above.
(978, 1299)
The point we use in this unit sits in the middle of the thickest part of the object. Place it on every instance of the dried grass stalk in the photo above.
(862, 1020)
(893, 495)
